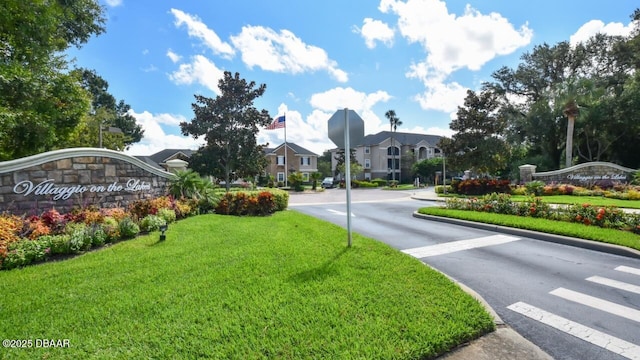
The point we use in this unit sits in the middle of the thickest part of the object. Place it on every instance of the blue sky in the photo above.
(417, 57)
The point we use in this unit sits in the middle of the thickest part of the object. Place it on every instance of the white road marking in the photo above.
(339, 212)
(628, 269)
(595, 337)
(453, 246)
(597, 303)
(615, 284)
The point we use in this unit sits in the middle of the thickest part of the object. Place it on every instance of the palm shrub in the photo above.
(185, 185)
(296, 181)
(535, 187)
(315, 177)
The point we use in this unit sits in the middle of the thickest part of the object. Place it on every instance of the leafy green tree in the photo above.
(229, 124)
(324, 164)
(427, 168)
(478, 143)
(40, 102)
(340, 158)
(565, 99)
(105, 112)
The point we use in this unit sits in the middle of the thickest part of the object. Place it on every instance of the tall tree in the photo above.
(341, 159)
(40, 102)
(105, 113)
(394, 122)
(478, 143)
(229, 124)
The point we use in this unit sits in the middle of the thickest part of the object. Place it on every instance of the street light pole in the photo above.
(100, 137)
(444, 174)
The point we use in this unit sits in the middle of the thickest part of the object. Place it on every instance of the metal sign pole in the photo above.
(347, 170)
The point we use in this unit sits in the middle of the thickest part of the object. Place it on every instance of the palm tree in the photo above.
(394, 121)
(571, 111)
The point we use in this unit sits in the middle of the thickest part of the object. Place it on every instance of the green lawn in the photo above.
(592, 200)
(611, 236)
(283, 286)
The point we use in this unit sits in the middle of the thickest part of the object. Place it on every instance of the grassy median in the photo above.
(284, 286)
(611, 236)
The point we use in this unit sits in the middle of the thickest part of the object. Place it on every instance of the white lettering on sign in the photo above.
(64, 192)
(134, 185)
(587, 178)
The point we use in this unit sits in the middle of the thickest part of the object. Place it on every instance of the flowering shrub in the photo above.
(25, 252)
(602, 216)
(251, 203)
(128, 228)
(481, 186)
(266, 203)
(151, 223)
(140, 208)
(24, 240)
(115, 213)
(168, 215)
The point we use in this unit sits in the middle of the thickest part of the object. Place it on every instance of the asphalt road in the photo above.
(571, 302)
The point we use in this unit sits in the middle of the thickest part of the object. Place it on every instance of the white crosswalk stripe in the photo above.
(628, 269)
(598, 338)
(615, 284)
(593, 336)
(597, 303)
(453, 246)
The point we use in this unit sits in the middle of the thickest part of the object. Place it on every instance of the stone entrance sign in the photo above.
(77, 177)
(586, 174)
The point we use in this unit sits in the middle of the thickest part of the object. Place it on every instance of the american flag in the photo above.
(278, 123)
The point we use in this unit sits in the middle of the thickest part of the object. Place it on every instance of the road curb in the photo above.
(558, 239)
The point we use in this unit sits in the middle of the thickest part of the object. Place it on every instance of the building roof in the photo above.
(162, 156)
(401, 137)
(296, 149)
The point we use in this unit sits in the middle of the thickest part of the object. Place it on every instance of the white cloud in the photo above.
(150, 68)
(442, 96)
(430, 131)
(201, 70)
(196, 28)
(452, 43)
(114, 3)
(155, 139)
(283, 52)
(376, 30)
(311, 132)
(594, 27)
(173, 56)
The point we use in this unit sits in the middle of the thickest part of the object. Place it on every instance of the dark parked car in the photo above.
(327, 183)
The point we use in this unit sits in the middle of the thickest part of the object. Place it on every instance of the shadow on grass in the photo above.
(320, 273)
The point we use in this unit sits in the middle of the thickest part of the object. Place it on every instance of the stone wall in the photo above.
(79, 177)
(587, 174)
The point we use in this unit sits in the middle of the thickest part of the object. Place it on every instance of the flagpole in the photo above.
(286, 164)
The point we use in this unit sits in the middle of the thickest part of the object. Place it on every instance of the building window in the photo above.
(390, 151)
(397, 164)
(367, 163)
(367, 176)
(305, 177)
(280, 160)
(367, 150)
(305, 160)
(280, 177)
